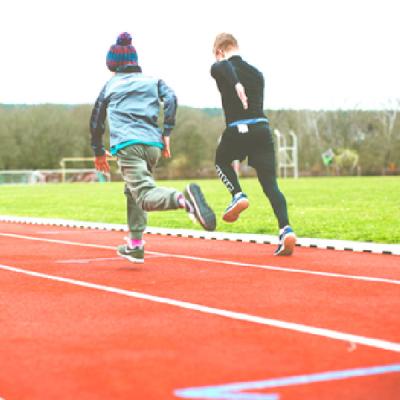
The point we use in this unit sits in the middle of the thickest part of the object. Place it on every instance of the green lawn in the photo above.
(351, 208)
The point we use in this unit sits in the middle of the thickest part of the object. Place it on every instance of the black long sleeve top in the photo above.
(227, 74)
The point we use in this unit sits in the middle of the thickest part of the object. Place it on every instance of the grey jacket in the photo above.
(131, 101)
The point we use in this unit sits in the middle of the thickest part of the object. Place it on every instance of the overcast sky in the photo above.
(314, 53)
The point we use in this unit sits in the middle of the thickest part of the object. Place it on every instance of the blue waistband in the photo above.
(115, 149)
(251, 121)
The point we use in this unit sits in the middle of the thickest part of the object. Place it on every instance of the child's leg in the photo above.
(133, 250)
(230, 149)
(136, 217)
(262, 159)
(227, 152)
(136, 163)
(270, 187)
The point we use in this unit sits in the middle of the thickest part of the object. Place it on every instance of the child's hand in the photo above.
(166, 152)
(101, 164)
(242, 95)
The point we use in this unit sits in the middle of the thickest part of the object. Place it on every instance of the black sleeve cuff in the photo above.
(167, 131)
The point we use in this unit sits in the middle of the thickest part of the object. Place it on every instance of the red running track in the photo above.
(77, 322)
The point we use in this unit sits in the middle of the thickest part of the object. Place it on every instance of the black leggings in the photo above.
(256, 145)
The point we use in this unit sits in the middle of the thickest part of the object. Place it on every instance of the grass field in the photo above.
(351, 208)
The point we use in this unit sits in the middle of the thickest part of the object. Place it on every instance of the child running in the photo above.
(131, 102)
(247, 135)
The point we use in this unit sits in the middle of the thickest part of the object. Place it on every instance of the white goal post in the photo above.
(287, 154)
(74, 160)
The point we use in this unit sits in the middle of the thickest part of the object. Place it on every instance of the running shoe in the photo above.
(239, 203)
(199, 207)
(133, 254)
(287, 241)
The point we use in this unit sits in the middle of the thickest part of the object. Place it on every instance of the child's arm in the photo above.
(168, 98)
(166, 152)
(97, 128)
(224, 70)
(97, 123)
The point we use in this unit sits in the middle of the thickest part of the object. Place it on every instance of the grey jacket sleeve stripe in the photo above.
(97, 123)
(168, 97)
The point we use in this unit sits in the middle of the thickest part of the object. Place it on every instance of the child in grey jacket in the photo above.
(131, 102)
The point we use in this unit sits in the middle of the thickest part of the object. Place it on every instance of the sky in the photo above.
(315, 54)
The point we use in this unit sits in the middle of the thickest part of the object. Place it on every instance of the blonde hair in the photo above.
(225, 41)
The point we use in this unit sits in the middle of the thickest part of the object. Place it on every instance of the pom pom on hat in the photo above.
(124, 39)
(122, 53)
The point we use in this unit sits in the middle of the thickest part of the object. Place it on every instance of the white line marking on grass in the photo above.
(327, 333)
(216, 261)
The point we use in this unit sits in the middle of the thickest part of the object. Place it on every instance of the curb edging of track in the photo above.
(345, 245)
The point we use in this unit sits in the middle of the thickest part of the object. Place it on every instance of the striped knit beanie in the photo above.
(122, 53)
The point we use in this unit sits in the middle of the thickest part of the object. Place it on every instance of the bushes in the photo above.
(37, 137)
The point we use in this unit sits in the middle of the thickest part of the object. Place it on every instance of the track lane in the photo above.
(346, 262)
(93, 345)
(360, 306)
(88, 345)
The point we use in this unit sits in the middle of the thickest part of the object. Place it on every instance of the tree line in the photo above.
(39, 136)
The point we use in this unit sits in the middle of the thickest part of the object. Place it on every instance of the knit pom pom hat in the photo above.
(122, 53)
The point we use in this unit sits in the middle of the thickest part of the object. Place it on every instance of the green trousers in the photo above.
(136, 163)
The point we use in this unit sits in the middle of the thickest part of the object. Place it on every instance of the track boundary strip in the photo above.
(346, 245)
(239, 390)
(292, 326)
(216, 261)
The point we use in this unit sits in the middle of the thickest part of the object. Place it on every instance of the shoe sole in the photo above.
(203, 213)
(233, 214)
(288, 245)
(131, 259)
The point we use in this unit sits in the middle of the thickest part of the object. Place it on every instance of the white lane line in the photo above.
(88, 260)
(291, 270)
(92, 260)
(327, 333)
(240, 390)
(216, 261)
(50, 232)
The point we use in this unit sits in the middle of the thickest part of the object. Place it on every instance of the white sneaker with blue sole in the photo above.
(287, 242)
(239, 203)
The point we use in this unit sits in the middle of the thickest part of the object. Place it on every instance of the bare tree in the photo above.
(388, 119)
